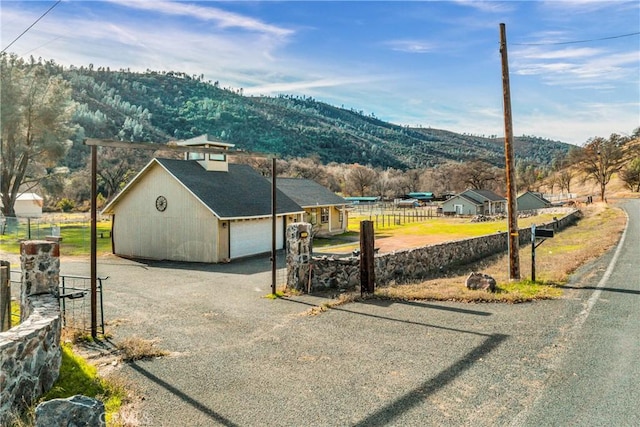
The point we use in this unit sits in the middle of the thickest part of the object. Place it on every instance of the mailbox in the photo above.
(303, 235)
(543, 232)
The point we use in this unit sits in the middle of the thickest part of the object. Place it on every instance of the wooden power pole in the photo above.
(514, 244)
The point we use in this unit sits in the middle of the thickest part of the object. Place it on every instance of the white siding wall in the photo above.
(28, 208)
(185, 231)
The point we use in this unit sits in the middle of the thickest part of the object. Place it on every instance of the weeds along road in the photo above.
(240, 359)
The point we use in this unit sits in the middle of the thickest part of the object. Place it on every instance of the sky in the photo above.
(574, 65)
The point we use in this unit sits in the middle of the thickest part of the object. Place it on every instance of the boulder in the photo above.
(76, 411)
(481, 281)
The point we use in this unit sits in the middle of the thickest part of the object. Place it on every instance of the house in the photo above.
(475, 202)
(531, 201)
(200, 209)
(322, 207)
(28, 205)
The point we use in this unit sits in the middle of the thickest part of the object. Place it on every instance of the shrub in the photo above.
(66, 205)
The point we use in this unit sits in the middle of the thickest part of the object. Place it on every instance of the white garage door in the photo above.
(250, 237)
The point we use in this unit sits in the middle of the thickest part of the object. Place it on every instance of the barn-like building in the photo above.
(199, 210)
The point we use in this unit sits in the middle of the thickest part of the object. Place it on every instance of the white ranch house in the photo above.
(475, 202)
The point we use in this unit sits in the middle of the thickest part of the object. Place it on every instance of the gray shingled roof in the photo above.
(487, 194)
(307, 192)
(241, 192)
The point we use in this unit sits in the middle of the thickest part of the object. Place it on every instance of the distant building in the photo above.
(475, 202)
(28, 205)
(366, 200)
(421, 197)
(531, 201)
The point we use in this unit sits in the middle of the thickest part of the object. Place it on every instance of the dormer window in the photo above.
(195, 156)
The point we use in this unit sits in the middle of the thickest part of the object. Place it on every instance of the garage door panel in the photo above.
(254, 237)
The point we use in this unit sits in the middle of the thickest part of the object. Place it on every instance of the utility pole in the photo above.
(274, 260)
(94, 242)
(514, 244)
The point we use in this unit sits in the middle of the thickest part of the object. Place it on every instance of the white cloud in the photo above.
(411, 46)
(567, 53)
(304, 86)
(222, 18)
(486, 6)
(576, 67)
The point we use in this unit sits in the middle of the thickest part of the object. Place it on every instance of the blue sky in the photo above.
(411, 63)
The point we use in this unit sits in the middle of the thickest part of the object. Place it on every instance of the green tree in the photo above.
(35, 113)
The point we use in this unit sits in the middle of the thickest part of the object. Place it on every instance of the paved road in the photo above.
(597, 383)
(242, 360)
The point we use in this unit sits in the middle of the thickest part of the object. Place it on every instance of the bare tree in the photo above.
(308, 168)
(601, 158)
(478, 174)
(630, 175)
(360, 180)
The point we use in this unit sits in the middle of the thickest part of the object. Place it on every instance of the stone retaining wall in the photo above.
(411, 265)
(30, 354)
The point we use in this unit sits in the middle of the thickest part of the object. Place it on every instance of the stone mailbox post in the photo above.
(299, 244)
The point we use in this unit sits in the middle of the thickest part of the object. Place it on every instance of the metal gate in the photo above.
(75, 300)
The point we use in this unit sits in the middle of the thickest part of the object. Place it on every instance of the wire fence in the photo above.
(383, 218)
(75, 301)
(39, 228)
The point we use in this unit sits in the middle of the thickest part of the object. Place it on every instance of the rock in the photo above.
(76, 411)
(481, 281)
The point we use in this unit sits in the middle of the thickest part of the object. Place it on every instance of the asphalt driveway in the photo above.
(241, 359)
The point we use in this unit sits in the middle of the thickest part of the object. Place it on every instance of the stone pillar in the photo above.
(299, 243)
(40, 262)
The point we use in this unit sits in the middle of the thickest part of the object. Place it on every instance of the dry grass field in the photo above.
(556, 259)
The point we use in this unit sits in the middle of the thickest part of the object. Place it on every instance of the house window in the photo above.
(217, 157)
(324, 215)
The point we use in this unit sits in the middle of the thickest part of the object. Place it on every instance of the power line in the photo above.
(577, 41)
(31, 26)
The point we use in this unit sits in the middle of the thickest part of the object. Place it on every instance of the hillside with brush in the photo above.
(159, 107)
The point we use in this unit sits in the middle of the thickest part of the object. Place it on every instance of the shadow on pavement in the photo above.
(445, 308)
(184, 397)
(593, 288)
(376, 316)
(244, 266)
(387, 414)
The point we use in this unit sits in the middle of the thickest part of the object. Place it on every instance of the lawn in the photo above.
(423, 232)
(76, 236)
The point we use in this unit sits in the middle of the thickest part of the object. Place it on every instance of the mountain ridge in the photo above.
(158, 107)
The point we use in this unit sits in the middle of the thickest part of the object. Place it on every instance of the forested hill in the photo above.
(159, 107)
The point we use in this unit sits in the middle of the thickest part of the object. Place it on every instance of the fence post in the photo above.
(5, 296)
(367, 267)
